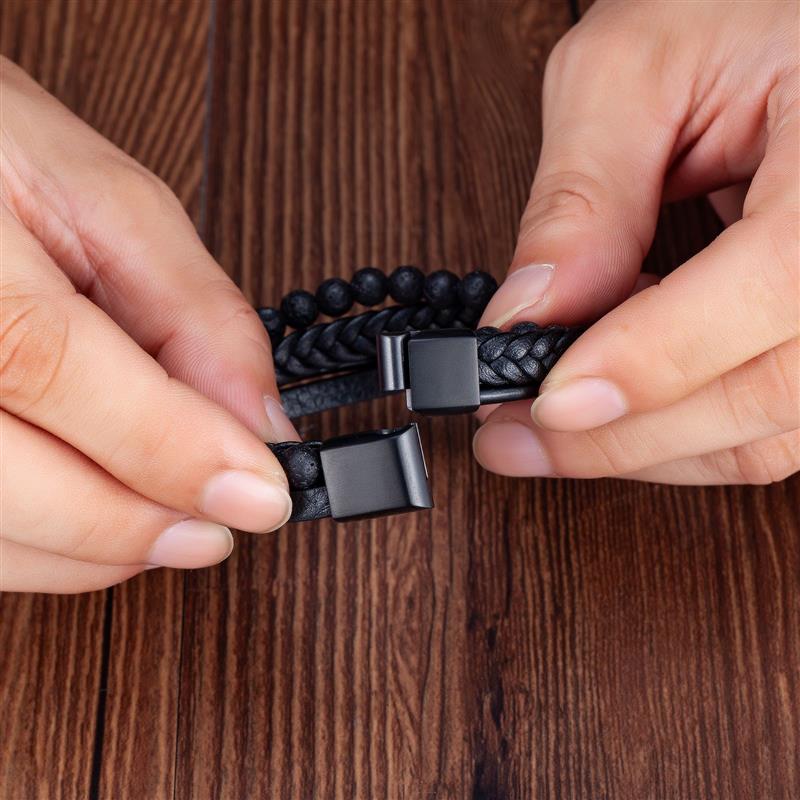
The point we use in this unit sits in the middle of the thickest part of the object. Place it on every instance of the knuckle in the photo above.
(560, 57)
(611, 453)
(622, 32)
(767, 461)
(241, 316)
(124, 536)
(137, 193)
(154, 434)
(765, 394)
(564, 195)
(33, 344)
(777, 394)
(678, 366)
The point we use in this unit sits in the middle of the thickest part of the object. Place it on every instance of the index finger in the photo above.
(126, 242)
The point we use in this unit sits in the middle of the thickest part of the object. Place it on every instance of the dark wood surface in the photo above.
(542, 639)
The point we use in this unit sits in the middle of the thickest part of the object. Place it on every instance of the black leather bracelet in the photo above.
(357, 476)
(455, 372)
(426, 349)
(442, 371)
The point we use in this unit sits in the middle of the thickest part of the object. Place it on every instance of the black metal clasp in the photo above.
(437, 369)
(439, 372)
(371, 474)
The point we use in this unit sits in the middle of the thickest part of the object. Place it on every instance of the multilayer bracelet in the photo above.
(425, 346)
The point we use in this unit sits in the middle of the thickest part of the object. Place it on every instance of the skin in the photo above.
(136, 388)
(135, 380)
(694, 380)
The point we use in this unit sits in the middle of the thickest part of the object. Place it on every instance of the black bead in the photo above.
(299, 308)
(441, 289)
(406, 285)
(370, 286)
(274, 323)
(334, 297)
(476, 289)
(302, 466)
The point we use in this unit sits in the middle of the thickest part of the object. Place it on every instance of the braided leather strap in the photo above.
(349, 343)
(522, 356)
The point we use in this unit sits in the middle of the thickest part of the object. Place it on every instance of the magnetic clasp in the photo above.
(438, 370)
(371, 474)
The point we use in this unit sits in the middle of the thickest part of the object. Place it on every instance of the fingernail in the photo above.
(511, 448)
(191, 543)
(579, 405)
(522, 290)
(246, 501)
(282, 429)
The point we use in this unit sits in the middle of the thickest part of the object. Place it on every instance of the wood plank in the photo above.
(137, 73)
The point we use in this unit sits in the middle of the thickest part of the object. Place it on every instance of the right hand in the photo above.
(136, 383)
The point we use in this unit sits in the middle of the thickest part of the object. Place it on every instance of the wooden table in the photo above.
(541, 639)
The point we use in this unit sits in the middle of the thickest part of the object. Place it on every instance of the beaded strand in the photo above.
(369, 287)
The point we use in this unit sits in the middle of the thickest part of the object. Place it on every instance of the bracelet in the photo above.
(455, 372)
(447, 371)
(357, 476)
(425, 347)
(369, 287)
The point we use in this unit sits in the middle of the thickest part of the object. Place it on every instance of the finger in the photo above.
(755, 463)
(734, 300)
(25, 569)
(126, 242)
(67, 368)
(597, 191)
(756, 401)
(98, 519)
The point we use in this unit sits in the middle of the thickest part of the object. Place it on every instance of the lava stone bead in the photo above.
(334, 297)
(274, 323)
(476, 289)
(441, 289)
(299, 308)
(302, 466)
(370, 286)
(406, 285)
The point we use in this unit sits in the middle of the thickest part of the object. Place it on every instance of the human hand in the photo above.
(136, 385)
(694, 380)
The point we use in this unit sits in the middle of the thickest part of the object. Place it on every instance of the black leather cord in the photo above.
(329, 393)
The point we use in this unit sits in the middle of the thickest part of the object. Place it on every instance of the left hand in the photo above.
(694, 380)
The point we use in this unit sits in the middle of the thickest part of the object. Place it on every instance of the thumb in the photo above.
(594, 203)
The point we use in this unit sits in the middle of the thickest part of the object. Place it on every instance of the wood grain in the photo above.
(542, 639)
